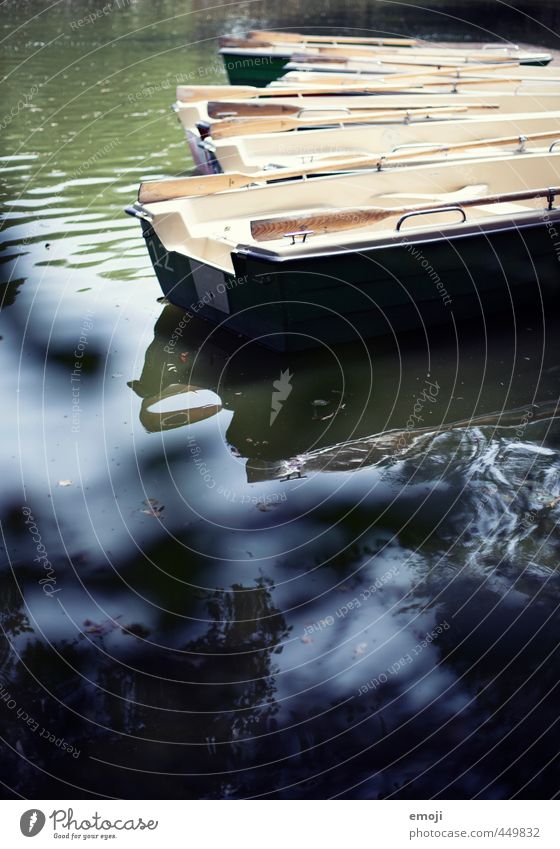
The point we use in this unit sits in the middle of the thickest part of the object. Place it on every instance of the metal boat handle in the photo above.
(553, 145)
(434, 211)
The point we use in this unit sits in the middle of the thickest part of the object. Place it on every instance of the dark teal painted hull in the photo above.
(254, 70)
(308, 302)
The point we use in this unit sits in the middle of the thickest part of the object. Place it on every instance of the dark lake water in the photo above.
(358, 599)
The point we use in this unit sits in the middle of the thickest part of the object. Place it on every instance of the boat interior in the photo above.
(260, 152)
(210, 227)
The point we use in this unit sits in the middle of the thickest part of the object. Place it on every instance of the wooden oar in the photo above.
(247, 126)
(156, 191)
(326, 78)
(151, 192)
(391, 66)
(333, 221)
(221, 109)
(190, 94)
(454, 71)
(224, 109)
(286, 37)
(231, 127)
(355, 52)
(332, 57)
(456, 147)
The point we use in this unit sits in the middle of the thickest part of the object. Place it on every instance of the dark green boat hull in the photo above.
(308, 302)
(254, 70)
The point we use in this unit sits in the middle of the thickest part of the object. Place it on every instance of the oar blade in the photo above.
(320, 222)
(249, 109)
(161, 190)
(197, 93)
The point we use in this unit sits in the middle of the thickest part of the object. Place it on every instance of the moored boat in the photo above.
(259, 62)
(198, 125)
(261, 152)
(309, 263)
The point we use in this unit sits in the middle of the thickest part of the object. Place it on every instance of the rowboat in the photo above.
(331, 46)
(259, 63)
(261, 151)
(300, 264)
(340, 110)
(325, 40)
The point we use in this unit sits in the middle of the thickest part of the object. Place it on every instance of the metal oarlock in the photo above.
(303, 233)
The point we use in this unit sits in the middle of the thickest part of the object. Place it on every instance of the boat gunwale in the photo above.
(461, 231)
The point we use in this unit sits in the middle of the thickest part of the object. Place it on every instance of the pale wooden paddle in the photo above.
(222, 109)
(162, 190)
(362, 52)
(453, 71)
(192, 94)
(159, 190)
(303, 76)
(230, 127)
(285, 37)
(250, 126)
(357, 51)
(150, 192)
(323, 222)
(415, 61)
(412, 63)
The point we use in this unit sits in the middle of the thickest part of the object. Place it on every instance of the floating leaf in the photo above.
(65, 482)
(99, 629)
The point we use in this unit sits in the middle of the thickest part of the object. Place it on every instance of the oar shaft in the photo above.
(285, 37)
(519, 139)
(190, 94)
(376, 160)
(244, 126)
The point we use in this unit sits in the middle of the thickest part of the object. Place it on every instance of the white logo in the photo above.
(31, 822)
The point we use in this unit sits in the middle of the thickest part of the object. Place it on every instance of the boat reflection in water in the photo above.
(344, 409)
(412, 568)
(360, 602)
